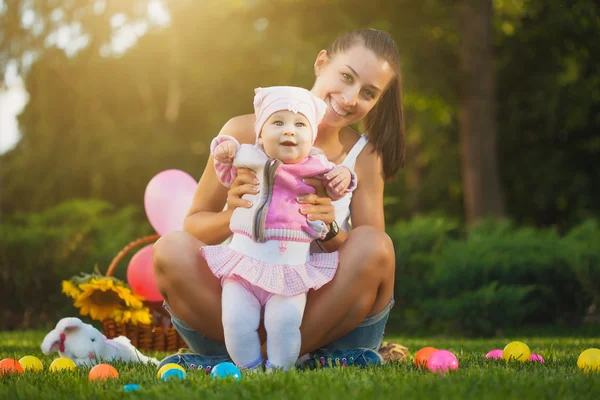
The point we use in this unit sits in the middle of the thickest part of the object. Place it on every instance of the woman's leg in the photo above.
(186, 283)
(362, 287)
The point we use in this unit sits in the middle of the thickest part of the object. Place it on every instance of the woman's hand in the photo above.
(244, 183)
(317, 206)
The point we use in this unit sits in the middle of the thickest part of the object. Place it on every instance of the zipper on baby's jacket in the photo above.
(260, 217)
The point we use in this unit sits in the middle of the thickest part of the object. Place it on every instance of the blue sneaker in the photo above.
(324, 358)
(194, 361)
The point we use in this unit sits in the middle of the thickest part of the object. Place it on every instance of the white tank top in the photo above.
(342, 206)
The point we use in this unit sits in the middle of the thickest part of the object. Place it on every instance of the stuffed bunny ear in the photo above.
(69, 325)
(54, 341)
(51, 342)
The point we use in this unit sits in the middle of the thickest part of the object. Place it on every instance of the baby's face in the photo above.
(286, 136)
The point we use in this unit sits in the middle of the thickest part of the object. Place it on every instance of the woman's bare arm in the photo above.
(366, 207)
(206, 219)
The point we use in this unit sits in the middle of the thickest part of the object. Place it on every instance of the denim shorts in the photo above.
(368, 334)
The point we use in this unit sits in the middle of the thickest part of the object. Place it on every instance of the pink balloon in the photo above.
(537, 357)
(168, 198)
(494, 354)
(140, 274)
(441, 361)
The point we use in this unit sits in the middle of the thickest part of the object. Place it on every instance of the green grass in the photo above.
(558, 378)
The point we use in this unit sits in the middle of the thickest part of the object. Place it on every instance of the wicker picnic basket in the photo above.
(158, 336)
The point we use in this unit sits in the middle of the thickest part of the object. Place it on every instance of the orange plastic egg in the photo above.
(10, 366)
(423, 355)
(102, 372)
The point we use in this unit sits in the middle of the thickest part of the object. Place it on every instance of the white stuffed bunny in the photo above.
(85, 345)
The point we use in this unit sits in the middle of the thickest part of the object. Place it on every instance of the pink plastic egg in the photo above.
(537, 358)
(494, 354)
(441, 361)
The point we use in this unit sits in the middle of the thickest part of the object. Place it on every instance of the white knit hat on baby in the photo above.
(298, 100)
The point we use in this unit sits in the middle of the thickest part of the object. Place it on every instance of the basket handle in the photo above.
(138, 242)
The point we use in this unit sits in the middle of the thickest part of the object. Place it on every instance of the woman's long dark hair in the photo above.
(385, 122)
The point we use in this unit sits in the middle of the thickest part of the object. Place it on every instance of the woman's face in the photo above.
(350, 83)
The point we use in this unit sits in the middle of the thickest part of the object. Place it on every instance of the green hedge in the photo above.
(584, 243)
(494, 276)
(39, 250)
(477, 281)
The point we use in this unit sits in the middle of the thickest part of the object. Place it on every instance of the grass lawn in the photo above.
(558, 378)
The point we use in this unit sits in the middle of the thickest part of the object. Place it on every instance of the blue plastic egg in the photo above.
(172, 373)
(226, 369)
(132, 387)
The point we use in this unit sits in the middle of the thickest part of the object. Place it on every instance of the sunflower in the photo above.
(98, 300)
(70, 289)
(124, 292)
(133, 316)
(103, 297)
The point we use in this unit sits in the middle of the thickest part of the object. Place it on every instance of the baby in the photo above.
(267, 269)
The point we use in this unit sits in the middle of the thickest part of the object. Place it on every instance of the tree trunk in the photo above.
(482, 193)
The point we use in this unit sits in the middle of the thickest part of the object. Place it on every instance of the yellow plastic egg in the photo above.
(589, 360)
(516, 351)
(62, 363)
(168, 366)
(31, 363)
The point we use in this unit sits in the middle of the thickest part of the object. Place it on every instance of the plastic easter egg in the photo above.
(62, 363)
(516, 351)
(132, 387)
(537, 358)
(423, 355)
(10, 366)
(442, 361)
(102, 372)
(31, 363)
(494, 354)
(226, 369)
(172, 373)
(589, 360)
(168, 366)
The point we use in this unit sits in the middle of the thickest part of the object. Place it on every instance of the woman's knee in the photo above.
(373, 250)
(169, 247)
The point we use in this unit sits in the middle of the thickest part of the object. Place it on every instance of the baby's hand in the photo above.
(339, 180)
(225, 151)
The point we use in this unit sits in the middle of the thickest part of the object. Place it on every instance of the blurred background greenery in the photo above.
(121, 90)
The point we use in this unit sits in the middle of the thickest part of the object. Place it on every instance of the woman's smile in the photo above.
(337, 109)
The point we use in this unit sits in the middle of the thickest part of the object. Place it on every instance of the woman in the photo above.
(358, 77)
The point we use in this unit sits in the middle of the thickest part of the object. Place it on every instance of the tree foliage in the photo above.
(101, 125)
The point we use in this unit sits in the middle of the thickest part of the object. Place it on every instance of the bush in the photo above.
(415, 243)
(483, 310)
(584, 243)
(499, 276)
(39, 250)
